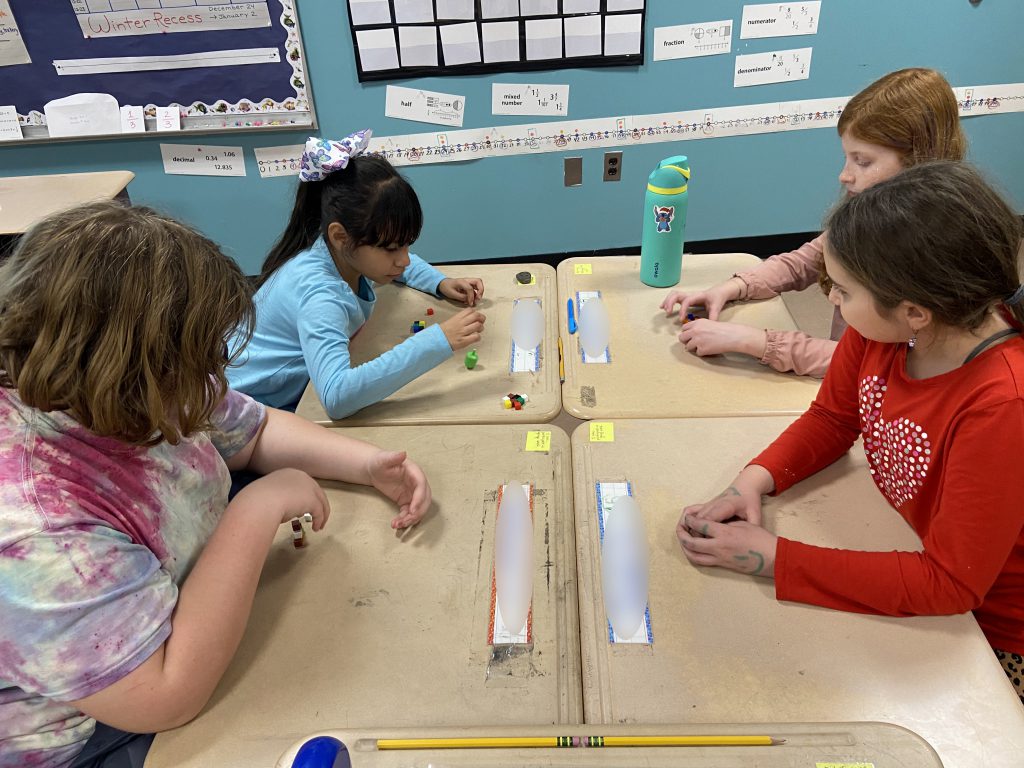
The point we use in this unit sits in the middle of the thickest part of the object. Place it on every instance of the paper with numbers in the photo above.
(780, 19)
(205, 160)
(772, 67)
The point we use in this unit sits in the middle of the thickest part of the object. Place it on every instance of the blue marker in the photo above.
(572, 318)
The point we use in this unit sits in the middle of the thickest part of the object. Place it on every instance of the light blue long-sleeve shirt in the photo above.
(306, 315)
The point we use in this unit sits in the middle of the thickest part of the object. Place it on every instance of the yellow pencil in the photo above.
(561, 362)
(517, 742)
(486, 742)
(681, 741)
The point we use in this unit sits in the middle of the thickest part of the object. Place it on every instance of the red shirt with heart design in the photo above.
(948, 454)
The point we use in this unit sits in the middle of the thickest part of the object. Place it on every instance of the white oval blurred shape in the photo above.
(513, 558)
(527, 324)
(624, 567)
(594, 327)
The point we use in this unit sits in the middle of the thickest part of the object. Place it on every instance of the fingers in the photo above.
(320, 520)
(715, 308)
(670, 301)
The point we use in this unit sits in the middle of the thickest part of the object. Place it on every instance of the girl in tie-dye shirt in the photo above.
(126, 577)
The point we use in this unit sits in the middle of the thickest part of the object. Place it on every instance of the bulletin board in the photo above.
(415, 38)
(226, 64)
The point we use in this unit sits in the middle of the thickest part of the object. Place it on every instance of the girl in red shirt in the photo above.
(930, 375)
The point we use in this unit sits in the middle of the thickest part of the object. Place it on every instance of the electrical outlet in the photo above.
(612, 166)
(573, 171)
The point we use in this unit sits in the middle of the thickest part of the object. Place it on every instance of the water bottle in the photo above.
(661, 249)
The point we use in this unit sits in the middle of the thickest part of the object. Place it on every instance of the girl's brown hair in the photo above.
(936, 235)
(121, 316)
(911, 111)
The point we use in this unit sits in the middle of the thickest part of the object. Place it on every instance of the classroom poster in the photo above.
(114, 18)
(12, 47)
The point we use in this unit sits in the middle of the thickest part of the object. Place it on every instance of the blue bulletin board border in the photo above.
(208, 97)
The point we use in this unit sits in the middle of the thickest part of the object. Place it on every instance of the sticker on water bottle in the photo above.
(663, 216)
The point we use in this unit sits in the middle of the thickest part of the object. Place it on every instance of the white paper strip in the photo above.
(581, 298)
(687, 40)
(632, 130)
(205, 160)
(607, 493)
(10, 128)
(780, 19)
(772, 67)
(424, 106)
(162, 16)
(518, 99)
(278, 161)
(233, 58)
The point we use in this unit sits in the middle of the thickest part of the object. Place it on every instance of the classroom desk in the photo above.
(27, 199)
(450, 393)
(651, 375)
(725, 650)
(807, 745)
(363, 627)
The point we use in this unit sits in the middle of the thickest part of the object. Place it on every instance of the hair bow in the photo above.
(322, 157)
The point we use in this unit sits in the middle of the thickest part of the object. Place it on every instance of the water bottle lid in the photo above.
(671, 177)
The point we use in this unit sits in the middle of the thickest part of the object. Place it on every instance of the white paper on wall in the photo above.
(772, 67)
(780, 19)
(460, 44)
(520, 99)
(500, 41)
(377, 49)
(684, 41)
(83, 114)
(417, 46)
(424, 106)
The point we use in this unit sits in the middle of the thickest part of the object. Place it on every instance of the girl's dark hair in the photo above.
(374, 204)
(936, 234)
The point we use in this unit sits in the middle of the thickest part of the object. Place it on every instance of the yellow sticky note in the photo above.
(538, 441)
(583, 269)
(844, 765)
(602, 432)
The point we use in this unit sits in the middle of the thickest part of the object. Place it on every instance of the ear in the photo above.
(915, 316)
(337, 237)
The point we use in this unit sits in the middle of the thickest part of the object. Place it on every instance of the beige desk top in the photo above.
(807, 745)
(26, 199)
(451, 394)
(651, 375)
(725, 650)
(362, 627)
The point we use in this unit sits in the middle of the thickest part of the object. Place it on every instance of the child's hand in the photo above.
(289, 493)
(468, 290)
(712, 337)
(403, 482)
(463, 329)
(730, 504)
(739, 546)
(712, 299)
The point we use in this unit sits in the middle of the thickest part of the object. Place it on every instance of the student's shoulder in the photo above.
(1009, 359)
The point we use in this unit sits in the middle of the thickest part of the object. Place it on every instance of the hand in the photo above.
(713, 337)
(731, 504)
(712, 299)
(468, 290)
(288, 493)
(739, 546)
(403, 482)
(463, 329)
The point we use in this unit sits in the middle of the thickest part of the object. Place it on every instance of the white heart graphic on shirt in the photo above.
(899, 452)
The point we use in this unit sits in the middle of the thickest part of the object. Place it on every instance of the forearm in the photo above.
(288, 440)
(754, 479)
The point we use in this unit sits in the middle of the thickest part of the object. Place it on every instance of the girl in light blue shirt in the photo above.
(351, 227)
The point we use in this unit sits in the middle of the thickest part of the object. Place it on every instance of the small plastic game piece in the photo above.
(690, 316)
(417, 326)
(430, 311)
(506, 403)
(471, 359)
(524, 278)
(298, 534)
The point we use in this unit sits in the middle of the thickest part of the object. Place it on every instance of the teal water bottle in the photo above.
(661, 249)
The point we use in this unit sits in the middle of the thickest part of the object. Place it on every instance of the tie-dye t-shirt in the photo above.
(95, 538)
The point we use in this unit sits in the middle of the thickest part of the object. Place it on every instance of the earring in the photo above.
(912, 342)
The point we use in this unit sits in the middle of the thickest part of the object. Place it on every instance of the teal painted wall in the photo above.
(517, 206)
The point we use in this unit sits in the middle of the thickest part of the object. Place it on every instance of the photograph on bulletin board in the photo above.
(116, 67)
(416, 38)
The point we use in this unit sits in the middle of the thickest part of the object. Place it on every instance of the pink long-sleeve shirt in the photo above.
(793, 271)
